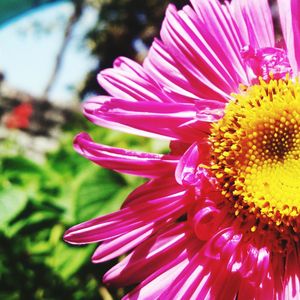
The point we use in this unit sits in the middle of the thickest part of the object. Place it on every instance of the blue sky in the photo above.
(29, 45)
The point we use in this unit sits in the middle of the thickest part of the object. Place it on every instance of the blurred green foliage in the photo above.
(39, 201)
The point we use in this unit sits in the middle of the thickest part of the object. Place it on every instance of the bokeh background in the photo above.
(50, 54)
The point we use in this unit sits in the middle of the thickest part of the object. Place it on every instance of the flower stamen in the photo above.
(255, 151)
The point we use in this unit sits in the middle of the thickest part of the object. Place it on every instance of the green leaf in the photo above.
(67, 260)
(17, 164)
(91, 192)
(12, 202)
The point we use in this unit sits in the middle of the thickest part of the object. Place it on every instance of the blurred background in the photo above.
(50, 54)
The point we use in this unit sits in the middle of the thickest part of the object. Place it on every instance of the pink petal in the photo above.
(194, 130)
(291, 281)
(153, 189)
(162, 207)
(162, 279)
(149, 196)
(158, 119)
(163, 68)
(192, 48)
(92, 111)
(254, 20)
(223, 243)
(187, 171)
(220, 29)
(126, 161)
(113, 248)
(158, 250)
(187, 281)
(206, 221)
(289, 11)
(128, 80)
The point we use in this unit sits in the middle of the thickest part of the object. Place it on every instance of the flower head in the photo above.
(219, 217)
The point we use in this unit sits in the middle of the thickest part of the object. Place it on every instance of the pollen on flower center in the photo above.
(256, 154)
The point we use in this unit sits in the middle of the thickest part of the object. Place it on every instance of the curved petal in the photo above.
(222, 32)
(163, 278)
(128, 219)
(128, 80)
(125, 161)
(199, 56)
(92, 111)
(187, 281)
(154, 119)
(163, 68)
(291, 283)
(153, 188)
(187, 171)
(158, 250)
(289, 11)
(113, 248)
(254, 20)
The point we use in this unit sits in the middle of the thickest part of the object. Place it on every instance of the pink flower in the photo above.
(219, 217)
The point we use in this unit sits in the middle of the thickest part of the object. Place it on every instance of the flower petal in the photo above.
(128, 80)
(254, 20)
(113, 248)
(159, 119)
(152, 189)
(199, 56)
(125, 161)
(187, 171)
(162, 206)
(289, 11)
(158, 250)
(92, 111)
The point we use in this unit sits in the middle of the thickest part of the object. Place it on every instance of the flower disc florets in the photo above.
(255, 156)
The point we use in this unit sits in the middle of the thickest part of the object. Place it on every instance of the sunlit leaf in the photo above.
(66, 260)
(12, 201)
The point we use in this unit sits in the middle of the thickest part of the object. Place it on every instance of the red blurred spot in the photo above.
(19, 117)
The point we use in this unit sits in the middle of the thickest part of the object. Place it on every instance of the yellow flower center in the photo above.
(256, 155)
